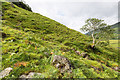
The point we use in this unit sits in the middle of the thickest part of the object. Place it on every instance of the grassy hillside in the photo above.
(114, 43)
(27, 36)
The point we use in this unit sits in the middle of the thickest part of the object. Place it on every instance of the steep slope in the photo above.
(28, 36)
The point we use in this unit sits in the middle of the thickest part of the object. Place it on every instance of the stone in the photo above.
(85, 55)
(30, 75)
(47, 55)
(94, 68)
(5, 72)
(62, 63)
(23, 77)
(78, 52)
(12, 54)
(116, 68)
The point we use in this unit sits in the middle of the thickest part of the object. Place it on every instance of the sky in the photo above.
(73, 13)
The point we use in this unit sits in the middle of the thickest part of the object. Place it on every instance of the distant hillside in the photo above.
(31, 40)
(115, 27)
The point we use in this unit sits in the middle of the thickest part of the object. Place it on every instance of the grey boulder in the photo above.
(62, 63)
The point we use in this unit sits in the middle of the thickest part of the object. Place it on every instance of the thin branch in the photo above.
(98, 42)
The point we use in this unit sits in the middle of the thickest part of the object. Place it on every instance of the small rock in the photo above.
(85, 55)
(94, 68)
(116, 68)
(12, 54)
(5, 72)
(23, 77)
(77, 52)
(46, 54)
(30, 75)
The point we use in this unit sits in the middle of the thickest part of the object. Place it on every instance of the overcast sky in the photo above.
(73, 13)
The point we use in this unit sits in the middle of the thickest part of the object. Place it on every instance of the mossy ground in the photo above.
(29, 35)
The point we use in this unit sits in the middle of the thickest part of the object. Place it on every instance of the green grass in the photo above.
(29, 35)
(114, 43)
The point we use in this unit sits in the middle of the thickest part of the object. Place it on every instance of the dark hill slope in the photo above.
(30, 38)
(23, 5)
(116, 25)
(117, 30)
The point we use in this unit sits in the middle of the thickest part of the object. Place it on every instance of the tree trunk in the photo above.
(93, 45)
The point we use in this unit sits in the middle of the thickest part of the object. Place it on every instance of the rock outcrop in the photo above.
(62, 63)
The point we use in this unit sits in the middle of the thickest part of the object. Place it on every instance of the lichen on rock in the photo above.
(62, 63)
